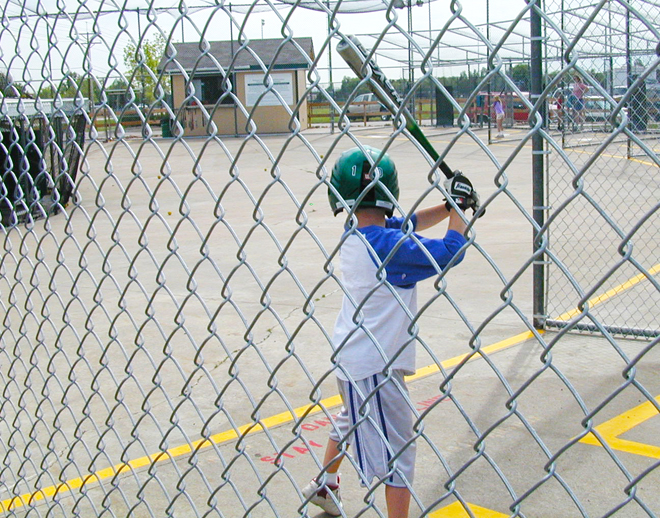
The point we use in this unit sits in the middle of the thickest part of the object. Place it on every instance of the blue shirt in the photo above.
(411, 263)
(375, 322)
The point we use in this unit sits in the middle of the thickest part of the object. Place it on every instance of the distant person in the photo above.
(576, 102)
(560, 111)
(499, 116)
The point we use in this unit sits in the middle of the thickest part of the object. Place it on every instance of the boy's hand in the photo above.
(474, 203)
(460, 190)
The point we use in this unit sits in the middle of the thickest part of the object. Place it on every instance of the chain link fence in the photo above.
(169, 276)
(606, 87)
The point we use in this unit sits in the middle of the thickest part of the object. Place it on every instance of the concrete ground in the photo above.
(196, 299)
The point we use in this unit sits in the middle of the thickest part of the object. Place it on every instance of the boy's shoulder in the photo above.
(397, 223)
(384, 238)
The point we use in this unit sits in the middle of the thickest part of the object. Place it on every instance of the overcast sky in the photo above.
(111, 33)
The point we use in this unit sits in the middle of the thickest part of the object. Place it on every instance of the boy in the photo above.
(374, 338)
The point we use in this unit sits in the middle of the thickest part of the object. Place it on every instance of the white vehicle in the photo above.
(367, 105)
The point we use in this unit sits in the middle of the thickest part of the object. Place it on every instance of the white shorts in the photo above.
(384, 430)
(500, 116)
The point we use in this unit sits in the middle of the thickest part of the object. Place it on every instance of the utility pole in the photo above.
(90, 85)
(90, 70)
(141, 67)
(411, 68)
(332, 86)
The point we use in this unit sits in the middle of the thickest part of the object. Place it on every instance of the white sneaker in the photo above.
(321, 496)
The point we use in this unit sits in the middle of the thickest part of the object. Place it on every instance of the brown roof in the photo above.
(218, 55)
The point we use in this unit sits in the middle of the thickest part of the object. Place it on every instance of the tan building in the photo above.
(227, 86)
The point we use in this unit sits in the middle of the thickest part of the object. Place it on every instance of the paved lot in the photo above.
(207, 297)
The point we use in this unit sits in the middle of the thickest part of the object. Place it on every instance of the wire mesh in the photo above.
(609, 143)
(170, 272)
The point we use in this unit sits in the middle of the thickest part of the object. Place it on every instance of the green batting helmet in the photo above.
(350, 176)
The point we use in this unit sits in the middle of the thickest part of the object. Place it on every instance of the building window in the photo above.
(209, 89)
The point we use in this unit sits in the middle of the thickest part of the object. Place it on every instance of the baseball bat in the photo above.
(386, 93)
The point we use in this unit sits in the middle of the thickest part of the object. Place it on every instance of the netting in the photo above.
(170, 269)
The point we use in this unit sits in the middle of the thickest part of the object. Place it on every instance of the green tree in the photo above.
(599, 76)
(116, 93)
(348, 85)
(71, 86)
(520, 74)
(4, 83)
(142, 68)
(10, 89)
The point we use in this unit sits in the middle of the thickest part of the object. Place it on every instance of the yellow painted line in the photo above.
(284, 417)
(456, 510)
(611, 293)
(612, 429)
(219, 438)
(636, 448)
(490, 349)
(607, 155)
(228, 435)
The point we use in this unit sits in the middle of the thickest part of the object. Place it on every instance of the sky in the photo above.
(51, 31)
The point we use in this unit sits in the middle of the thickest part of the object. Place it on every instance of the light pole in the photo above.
(411, 68)
(263, 22)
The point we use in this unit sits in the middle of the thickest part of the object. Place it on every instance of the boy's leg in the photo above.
(389, 417)
(324, 490)
(389, 412)
(398, 501)
(333, 457)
